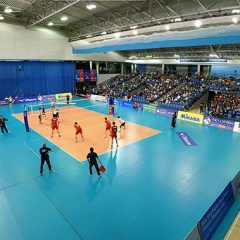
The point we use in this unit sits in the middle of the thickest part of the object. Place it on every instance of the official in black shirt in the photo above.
(3, 125)
(67, 99)
(92, 158)
(45, 157)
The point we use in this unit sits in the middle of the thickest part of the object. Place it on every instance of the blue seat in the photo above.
(237, 117)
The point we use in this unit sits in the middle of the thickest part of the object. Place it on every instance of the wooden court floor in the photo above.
(93, 125)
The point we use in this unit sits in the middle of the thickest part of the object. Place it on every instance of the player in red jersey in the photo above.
(54, 125)
(110, 112)
(108, 126)
(114, 134)
(78, 131)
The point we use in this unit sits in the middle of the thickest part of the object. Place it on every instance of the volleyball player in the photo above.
(78, 131)
(57, 109)
(110, 112)
(114, 134)
(39, 116)
(108, 126)
(122, 123)
(54, 125)
(54, 112)
(43, 111)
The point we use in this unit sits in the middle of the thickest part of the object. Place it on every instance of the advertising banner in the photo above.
(4, 103)
(215, 88)
(186, 139)
(166, 111)
(81, 73)
(86, 75)
(236, 127)
(203, 60)
(93, 75)
(214, 215)
(218, 123)
(126, 104)
(193, 235)
(25, 100)
(190, 117)
(98, 98)
(77, 76)
(149, 108)
(236, 185)
(46, 97)
(63, 95)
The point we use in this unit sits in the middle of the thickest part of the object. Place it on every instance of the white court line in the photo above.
(65, 123)
(232, 227)
(75, 131)
(31, 150)
(68, 109)
(54, 144)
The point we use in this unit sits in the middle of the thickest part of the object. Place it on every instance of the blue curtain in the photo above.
(33, 77)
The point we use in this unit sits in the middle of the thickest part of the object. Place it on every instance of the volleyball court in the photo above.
(92, 124)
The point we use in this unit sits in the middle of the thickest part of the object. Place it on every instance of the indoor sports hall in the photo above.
(154, 187)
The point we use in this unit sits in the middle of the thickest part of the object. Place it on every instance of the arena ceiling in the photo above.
(112, 16)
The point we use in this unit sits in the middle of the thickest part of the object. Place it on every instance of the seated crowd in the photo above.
(224, 105)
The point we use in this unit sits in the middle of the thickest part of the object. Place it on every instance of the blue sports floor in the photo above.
(156, 188)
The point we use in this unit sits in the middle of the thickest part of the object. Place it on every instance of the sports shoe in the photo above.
(83, 139)
(119, 131)
(111, 146)
(59, 135)
(76, 141)
(99, 176)
(104, 136)
(51, 170)
(41, 173)
(117, 145)
(52, 136)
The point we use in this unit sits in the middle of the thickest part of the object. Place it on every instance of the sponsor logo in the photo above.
(185, 139)
(190, 118)
(27, 100)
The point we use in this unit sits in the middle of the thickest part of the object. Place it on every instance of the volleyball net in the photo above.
(59, 103)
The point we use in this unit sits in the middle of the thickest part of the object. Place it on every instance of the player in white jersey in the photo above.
(122, 123)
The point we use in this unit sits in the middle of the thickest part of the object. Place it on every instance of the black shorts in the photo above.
(122, 125)
(55, 115)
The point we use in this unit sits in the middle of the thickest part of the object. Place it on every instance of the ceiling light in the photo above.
(1, 17)
(235, 20)
(103, 33)
(135, 32)
(50, 23)
(117, 35)
(178, 19)
(133, 27)
(198, 23)
(64, 18)
(8, 10)
(167, 27)
(91, 6)
(235, 11)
